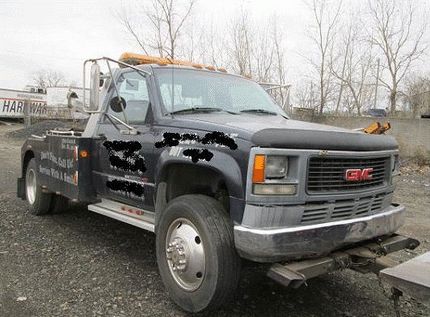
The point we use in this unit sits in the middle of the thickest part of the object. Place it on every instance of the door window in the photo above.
(133, 88)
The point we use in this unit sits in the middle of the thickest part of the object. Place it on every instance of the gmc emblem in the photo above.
(357, 175)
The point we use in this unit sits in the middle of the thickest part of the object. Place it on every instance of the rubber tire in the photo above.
(42, 202)
(59, 204)
(222, 262)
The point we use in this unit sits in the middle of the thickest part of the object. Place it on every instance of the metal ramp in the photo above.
(134, 216)
(411, 277)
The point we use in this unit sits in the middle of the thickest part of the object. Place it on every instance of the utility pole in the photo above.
(376, 83)
(311, 97)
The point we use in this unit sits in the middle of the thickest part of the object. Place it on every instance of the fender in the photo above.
(29, 150)
(223, 163)
(33, 146)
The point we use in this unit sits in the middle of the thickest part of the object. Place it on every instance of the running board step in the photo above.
(134, 216)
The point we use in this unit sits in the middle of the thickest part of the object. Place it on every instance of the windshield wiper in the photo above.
(201, 109)
(260, 111)
(196, 109)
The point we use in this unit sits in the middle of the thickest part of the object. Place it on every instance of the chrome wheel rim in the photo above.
(185, 254)
(30, 184)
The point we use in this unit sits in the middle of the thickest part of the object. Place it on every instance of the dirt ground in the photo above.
(83, 264)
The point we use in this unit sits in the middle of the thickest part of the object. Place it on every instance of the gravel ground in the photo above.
(83, 264)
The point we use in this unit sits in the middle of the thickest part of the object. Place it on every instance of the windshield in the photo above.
(183, 90)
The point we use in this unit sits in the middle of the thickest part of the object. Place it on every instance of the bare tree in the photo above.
(417, 94)
(159, 27)
(280, 62)
(263, 57)
(212, 46)
(398, 34)
(343, 53)
(323, 36)
(241, 47)
(48, 78)
(257, 50)
(354, 72)
(279, 76)
(307, 96)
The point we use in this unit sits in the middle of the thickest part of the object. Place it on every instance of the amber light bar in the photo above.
(139, 59)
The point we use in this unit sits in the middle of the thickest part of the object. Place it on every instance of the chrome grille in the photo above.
(327, 174)
(344, 209)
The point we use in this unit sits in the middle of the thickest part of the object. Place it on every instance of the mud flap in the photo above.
(20, 188)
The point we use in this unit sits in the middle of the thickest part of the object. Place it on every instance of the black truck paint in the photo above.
(217, 143)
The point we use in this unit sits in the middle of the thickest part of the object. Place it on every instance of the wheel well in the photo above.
(184, 179)
(27, 157)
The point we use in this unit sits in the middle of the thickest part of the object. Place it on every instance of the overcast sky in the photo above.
(60, 34)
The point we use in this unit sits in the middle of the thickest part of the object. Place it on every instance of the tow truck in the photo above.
(208, 162)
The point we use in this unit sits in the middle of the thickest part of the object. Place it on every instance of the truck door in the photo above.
(125, 161)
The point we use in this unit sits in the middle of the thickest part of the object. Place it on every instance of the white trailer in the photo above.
(52, 103)
(12, 103)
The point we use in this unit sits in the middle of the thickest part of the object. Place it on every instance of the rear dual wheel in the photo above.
(196, 257)
(41, 203)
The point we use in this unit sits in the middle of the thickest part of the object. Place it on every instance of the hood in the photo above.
(279, 132)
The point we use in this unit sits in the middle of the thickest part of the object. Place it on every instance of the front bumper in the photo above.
(273, 245)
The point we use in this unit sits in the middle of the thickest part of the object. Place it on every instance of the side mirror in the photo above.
(94, 87)
(117, 104)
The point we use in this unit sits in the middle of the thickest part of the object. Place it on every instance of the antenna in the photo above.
(173, 90)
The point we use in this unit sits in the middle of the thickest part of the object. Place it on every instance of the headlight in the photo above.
(276, 167)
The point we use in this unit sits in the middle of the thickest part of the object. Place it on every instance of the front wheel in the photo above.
(196, 257)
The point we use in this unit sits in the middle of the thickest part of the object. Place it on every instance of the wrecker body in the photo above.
(208, 162)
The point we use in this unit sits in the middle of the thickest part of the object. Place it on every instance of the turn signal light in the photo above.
(83, 154)
(259, 166)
